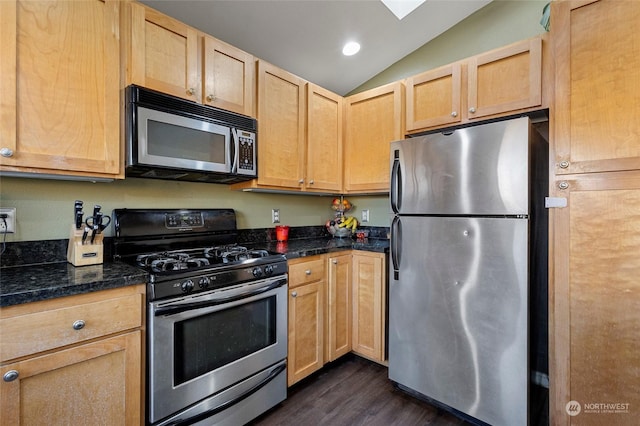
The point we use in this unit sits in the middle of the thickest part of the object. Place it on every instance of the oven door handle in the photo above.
(188, 306)
(209, 413)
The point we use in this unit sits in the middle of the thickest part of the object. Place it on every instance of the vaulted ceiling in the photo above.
(306, 37)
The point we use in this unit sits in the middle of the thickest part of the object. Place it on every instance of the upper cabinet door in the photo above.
(505, 79)
(163, 54)
(374, 119)
(59, 87)
(324, 139)
(597, 112)
(228, 77)
(433, 98)
(281, 120)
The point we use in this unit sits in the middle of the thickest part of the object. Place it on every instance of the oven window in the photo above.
(205, 343)
(169, 140)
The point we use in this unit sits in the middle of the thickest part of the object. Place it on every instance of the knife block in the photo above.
(79, 254)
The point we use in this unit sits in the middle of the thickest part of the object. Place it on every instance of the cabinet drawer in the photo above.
(306, 272)
(41, 331)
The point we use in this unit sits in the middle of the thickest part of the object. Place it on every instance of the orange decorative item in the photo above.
(282, 232)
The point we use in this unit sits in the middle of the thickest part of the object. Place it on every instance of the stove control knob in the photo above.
(187, 286)
(203, 282)
(268, 270)
(257, 272)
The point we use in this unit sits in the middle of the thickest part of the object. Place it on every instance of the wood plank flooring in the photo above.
(353, 391)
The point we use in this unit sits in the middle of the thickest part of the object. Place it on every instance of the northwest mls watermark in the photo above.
(573, 408)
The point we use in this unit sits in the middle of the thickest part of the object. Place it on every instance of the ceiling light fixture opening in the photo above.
(351, 48)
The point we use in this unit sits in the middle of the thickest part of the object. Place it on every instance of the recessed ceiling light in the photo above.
(351, 48)
(402, 8)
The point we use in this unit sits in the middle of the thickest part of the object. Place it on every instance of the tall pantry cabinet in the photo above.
(595, 290)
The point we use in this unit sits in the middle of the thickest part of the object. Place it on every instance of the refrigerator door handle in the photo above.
(396, 174)
(396, 243)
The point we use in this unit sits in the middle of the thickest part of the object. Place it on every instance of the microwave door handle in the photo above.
(235, 150)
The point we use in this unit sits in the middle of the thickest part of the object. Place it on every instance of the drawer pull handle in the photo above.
(10, 376)
(78, 325)
(294, 294)
(308, 272)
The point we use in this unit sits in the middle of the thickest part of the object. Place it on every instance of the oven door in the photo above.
(171, 140)
(201, 345)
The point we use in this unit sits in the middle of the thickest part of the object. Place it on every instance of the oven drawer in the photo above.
(304, 270)
(55, 325)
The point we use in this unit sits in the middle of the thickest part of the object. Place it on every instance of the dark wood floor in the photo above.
(353, 391)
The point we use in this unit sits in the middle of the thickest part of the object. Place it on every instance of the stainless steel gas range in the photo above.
(216, 318)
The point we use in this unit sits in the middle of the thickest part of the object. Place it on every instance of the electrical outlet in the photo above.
(275, 215)
(10, 220)
(365, 216)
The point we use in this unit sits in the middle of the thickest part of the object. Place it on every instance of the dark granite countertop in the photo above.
(34, 282)
(312, 246)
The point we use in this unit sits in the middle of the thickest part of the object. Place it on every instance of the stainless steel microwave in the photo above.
(175, 139)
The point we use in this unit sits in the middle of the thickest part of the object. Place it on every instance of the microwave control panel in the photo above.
(247, 154)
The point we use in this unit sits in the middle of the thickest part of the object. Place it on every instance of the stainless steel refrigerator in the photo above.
(468, 249)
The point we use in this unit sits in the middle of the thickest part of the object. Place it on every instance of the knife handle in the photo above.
(85, 234)
(79, 215)
(93, 233)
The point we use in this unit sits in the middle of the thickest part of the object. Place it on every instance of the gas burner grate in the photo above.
(197, 258)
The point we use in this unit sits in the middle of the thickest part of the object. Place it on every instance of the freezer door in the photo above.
(458, 314)
(480, 170)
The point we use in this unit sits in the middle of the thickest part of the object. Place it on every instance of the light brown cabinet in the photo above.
(307, 287)
(373, 120)
(75, 359)
(300, 137)
(499, 82)
(324, 140)
(59, 91)
(339, 306)
(336, 305)
(162, 53)
(369, 303)
(281, 143)
(594, 300)
(229, 77)
(169, 56)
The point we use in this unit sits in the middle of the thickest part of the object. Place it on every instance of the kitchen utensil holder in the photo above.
(79, 254)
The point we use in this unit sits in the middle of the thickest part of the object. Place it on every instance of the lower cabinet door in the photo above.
(338, 307)
(95, 383)
(306, 331)
(368, 305)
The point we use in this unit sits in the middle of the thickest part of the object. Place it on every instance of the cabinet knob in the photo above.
(78, 325)
(10, 375)
(211, 98)
(301, 181)
(563, 185)
(308, 272)
(564, 164)
(335, 262)
(191, 91)
(294, 294)
(472, 110)
(311, 182)
(454, 114)
(6, 152)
